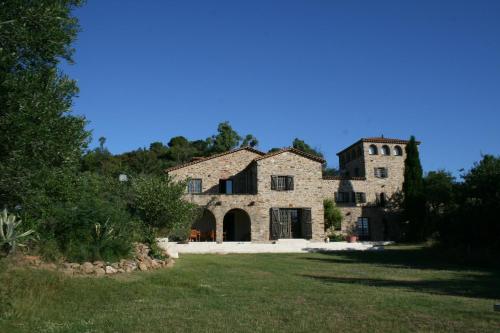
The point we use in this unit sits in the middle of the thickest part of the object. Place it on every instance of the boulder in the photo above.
(99, 263)
(87, 268)
(68, 271)
(99, 271)
(170, 262)
(111, 270)
(143, 267)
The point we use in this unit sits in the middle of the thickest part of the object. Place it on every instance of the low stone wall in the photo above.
(141, 261)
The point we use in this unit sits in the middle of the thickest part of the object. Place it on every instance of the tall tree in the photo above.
(39, 138)
(413, 192)
(301, 145)
(250, 141)
(226, 138)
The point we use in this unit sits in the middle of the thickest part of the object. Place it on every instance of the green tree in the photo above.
(159, 203)
(413, 192)
(250, 141)
(332, 214)
(225, 139)
(301, 145)
(40, 140)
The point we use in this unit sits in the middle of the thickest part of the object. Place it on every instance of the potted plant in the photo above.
(352, 238)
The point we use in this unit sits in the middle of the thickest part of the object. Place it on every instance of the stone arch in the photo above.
(206, 225)
(237, 226)
(386, 150)
(372, 150)
(398, 151)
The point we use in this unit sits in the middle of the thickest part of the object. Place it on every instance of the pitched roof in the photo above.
(292, 150)
(203, 159)
(379, 139)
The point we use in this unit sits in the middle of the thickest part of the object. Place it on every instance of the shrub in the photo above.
(333, 216)
(10, 235)
(159, 204)
(95, 226)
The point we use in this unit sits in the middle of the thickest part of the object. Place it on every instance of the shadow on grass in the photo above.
(478, 281)
(467, 286)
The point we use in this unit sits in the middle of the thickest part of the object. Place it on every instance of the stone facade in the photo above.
(253, 199)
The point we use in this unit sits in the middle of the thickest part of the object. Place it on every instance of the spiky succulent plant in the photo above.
(9, 234)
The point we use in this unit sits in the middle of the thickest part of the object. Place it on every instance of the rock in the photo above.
(155, 264)
(87, 268)
(33, 260)
(99, 271)
(111, 270)
(115, 265)
(68, 271)
(143, 267)
(121, 270)
(99, 263)
(75, 265)
(49, 266)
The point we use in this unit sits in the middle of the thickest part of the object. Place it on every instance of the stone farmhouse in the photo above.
(248, 195)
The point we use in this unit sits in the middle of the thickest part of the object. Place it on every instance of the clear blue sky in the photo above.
(328, 72)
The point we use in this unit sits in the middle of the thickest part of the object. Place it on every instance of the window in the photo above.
(226, 186)
(194, 186)
(386, 150)
(372, 150)
(380, 172)
(282, 183)
(398, 151)
(360, 197)
(342, 197)
(350, 197)
(363, 228)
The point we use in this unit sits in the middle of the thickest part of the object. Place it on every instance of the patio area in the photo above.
(280, 246)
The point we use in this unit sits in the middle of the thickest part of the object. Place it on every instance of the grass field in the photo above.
(398, 290)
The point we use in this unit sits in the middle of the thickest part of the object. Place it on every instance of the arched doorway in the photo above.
(203, 229)
(237, 226)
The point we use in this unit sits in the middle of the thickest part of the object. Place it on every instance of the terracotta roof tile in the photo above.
(292, 150)
(377, 140)
(180, 166)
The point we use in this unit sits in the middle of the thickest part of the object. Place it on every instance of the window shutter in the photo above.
(274, 182)
(222, 186)
(363, 197)
(275, 223)
(386, 172)
(336, 196)
(306, 223)
(353, 197)
(289, 183)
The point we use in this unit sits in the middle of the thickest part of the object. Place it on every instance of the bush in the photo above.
(159, 204)
(333, 216)
(95, 226)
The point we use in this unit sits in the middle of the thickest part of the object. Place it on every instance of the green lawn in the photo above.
(398, 290)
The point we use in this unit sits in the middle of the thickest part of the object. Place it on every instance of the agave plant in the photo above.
(9, 235)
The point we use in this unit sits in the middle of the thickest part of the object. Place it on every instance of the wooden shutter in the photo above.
(275, 223)
(306, 223)
(353, 197)
(222, 186)
(274, 182)
(289, 183)
(363, 197)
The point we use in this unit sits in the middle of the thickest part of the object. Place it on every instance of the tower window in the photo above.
(380, 172)
(372, 150)
(386, 150)
(398, 151)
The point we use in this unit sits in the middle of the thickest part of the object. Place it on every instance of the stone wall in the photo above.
(212, 170)
(307, 192)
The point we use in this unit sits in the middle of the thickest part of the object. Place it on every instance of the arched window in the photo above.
(398, 151)
(372, 150)
(385, 150)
